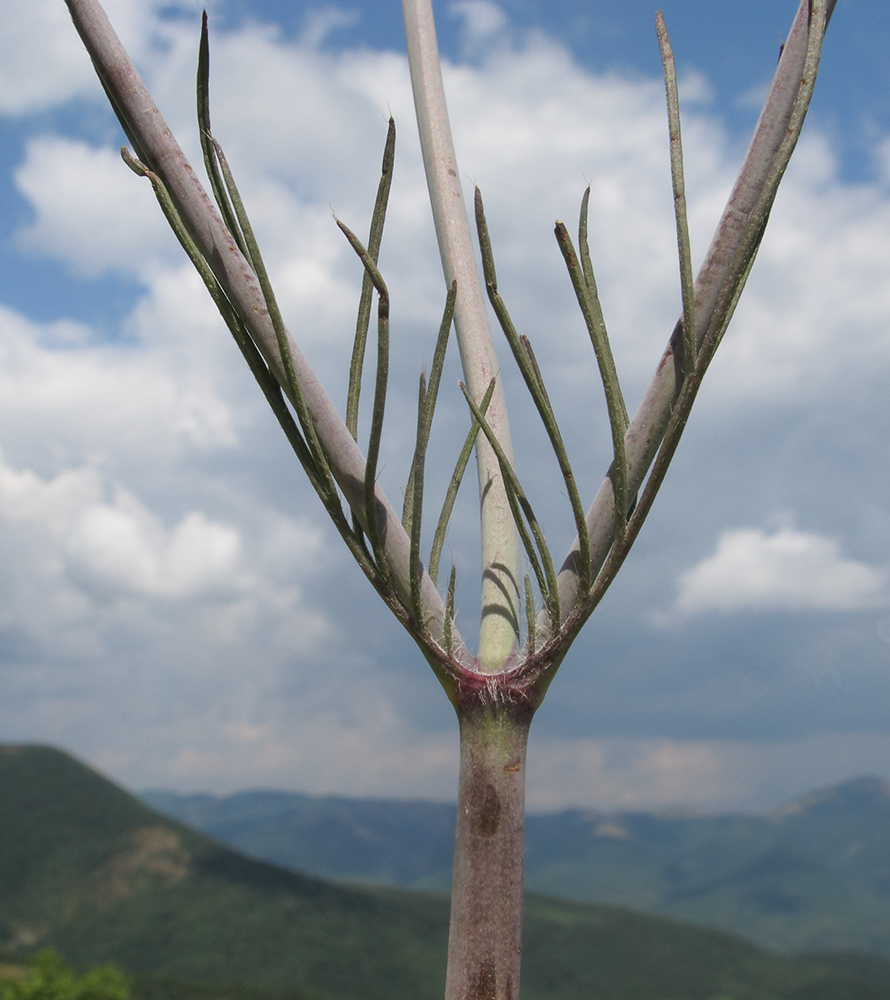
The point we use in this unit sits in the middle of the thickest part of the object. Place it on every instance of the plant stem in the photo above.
(156, 147)
(501, 574)
(486, 898)
(717, 288)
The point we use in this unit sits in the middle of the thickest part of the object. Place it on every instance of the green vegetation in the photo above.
(47, 977)
(153, 988)
(88, 870)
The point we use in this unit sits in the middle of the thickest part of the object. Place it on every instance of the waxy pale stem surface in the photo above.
(719, 281)
(500, 549)
(157, 148)
(486, 900)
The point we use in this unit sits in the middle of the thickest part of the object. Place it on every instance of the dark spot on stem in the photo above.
(483, 986)
(487, 811)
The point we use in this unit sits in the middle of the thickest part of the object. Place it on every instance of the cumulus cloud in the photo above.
(123, 544)
(483, 21)
(43, 63)
(28, 84)
(786, 570)
(132, 580)
(88, 211)
(64, 390)
(97, 537)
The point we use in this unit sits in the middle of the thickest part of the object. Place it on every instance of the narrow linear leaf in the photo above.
(439, 354)
(426, 405)
(531, 625)
(531, 374)
(534, 369)
(687, 280)
(448, 624)
(256, 261)
(408, 503)
(425, 418)
(379, 406)
(414, 501)
(211, 164)
(565, 467)
(522, 511)
(363, 319)
(489, 272)
(596, 324)
(453, 487)
(596, 328)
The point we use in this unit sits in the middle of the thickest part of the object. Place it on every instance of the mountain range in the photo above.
(91, 871)
(811, 876)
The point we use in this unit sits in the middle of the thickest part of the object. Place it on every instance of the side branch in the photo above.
(156, 147)
(667, 401)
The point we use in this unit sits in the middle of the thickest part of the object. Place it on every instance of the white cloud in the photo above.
(786, 570)
(119, 544)
(122, 550)
(91, 211)
(321, 22)
(42, 61)
(28, 84)
(482, 20)
(155, 399)
(619, 773)
(122, 543)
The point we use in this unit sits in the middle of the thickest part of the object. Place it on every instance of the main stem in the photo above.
(501, 580)
(486, 902)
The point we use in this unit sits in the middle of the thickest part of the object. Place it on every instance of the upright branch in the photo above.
(500, 554)
(235, 270)
(654, 431)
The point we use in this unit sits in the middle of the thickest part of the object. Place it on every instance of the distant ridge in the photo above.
(88, 869)
(813, 875)
(857, 795)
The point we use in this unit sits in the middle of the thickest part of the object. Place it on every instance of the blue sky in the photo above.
(175, 608)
